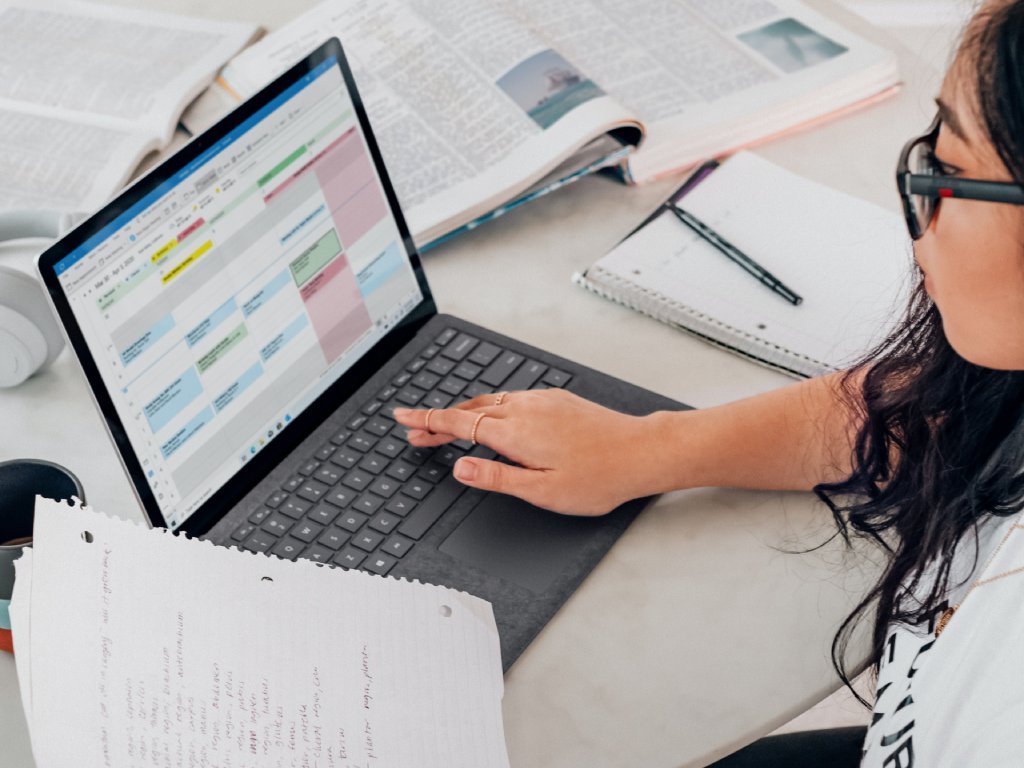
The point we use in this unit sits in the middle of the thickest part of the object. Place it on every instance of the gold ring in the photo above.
(472, 435)
(426, 425)
(498, 398)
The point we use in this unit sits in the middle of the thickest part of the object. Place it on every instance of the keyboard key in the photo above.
(367, 540)
(259, 516)
(325, 452)
(357, 479)
(416, 365)
(323, 514)
(309, 468)
(294, 508)
(275, 499)
(475, 389)
(484, 354)
(378, 426)
(459, 348)
(432, 472)
(384, 486)
(441, 366)
(306, 531)
(387, 393)
(260, 541)
(243, 531)
(527, 375)
(467, 371)
(349, 557)
(345, 458)
(390, 447)
(313, 490)
(556, 378)
(452, 386)
(368, 503)
(351, 521)
(401, 379)
(501, 369)
(418, 522)
(379, 564)
(356, 422)
(417, 455)
(373, 463)
(288, 548)
(342, 437)
(340, 497)
(334, 538)
(436, 400)
(362, 442)
(400, 470)
(445, 336)
(317, 553)
(328, 474)
(447, 455)
(372, 407)
(385, 522)
(430, 351)
(400, 505)
(426, 380)
(417, 488)
(410, 396)
(397, 545)
(293, 483)
(277, 524)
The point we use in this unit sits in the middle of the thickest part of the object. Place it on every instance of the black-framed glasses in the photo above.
(922, 184)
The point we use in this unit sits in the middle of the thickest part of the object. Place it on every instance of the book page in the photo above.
(49, 163)
(697, 72)
(149, 649)
(468, 106)
(114, 66)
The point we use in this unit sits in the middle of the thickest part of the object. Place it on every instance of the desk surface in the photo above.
(696, 634)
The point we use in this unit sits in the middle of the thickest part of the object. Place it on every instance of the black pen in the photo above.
(735, 254)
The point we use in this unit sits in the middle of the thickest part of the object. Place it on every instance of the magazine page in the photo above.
(707, 76)
(89, 88)
(469, 107)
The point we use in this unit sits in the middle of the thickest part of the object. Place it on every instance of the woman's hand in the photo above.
(575, 456)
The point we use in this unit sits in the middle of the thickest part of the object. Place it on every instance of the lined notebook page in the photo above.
(144, 648)
(849, 260)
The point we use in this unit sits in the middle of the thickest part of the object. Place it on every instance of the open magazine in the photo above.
(88, 90)
(476, 102)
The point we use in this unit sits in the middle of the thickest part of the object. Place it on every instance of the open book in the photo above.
(478, 102)
(850, 260)
(88, 90)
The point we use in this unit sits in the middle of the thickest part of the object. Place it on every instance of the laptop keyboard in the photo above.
(366, 497)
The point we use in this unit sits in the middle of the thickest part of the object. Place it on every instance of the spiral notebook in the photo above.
(850, 260)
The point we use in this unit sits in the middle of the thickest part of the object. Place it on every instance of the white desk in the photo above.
(696, 634)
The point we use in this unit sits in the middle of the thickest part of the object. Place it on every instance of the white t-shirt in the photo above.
(958, 700)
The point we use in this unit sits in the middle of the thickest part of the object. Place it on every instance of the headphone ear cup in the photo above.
(30, 338)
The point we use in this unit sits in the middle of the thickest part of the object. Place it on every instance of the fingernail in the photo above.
(401, 411)
(465, 470)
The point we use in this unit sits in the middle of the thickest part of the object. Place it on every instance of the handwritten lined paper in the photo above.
(137, 647)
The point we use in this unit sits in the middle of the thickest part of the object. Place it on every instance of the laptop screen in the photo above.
(223, 302)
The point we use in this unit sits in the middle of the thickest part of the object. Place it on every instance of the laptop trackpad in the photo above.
(513, 540)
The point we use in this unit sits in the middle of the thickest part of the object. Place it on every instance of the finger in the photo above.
(421, 439)
(485, 400)
(449, 421)
(498, 477)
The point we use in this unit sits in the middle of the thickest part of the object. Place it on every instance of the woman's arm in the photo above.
(578, 457)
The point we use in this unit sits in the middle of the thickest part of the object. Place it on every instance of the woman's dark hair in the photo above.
(937, 448)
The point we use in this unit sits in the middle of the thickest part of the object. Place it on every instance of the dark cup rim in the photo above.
(80, 491)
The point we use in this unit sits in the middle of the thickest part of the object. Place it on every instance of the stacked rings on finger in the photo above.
(499, 398)
(426, 424)
(472, 436)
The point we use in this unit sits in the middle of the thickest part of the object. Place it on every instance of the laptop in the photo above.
(248, 315)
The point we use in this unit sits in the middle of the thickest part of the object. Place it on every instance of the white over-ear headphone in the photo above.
(30, 338)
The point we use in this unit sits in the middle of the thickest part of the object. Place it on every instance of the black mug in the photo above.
(21, 480)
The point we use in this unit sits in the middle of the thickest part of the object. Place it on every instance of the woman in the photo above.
(918, 446)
